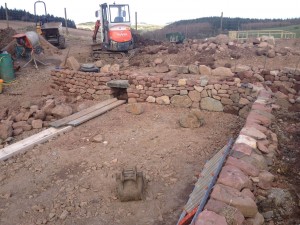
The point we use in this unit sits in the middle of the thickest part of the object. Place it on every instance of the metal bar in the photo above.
(182, 215)
(204, 200)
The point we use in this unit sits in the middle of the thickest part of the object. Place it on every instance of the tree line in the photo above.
(211, 26)
(22, 15)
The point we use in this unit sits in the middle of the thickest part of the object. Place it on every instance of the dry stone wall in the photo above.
(233, 95)
(246, 171)
(88, 85)
(190, 91)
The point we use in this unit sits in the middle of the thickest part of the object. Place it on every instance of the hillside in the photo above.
(141, 26)
(294, 28)
(211, 26)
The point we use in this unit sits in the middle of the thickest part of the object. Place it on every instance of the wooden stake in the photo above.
(135, 20)
(6, 14)
(66, 22)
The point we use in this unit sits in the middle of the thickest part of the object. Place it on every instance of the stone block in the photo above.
(72, 63)
(208, 217)
(231, 214)
(236, 199)
(246, 167)
(233, 177)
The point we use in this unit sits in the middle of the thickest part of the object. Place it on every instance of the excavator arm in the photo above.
(96, 29)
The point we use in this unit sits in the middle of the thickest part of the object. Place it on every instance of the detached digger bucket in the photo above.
(131, 185)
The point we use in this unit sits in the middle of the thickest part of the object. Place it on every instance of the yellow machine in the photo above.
(51, 31)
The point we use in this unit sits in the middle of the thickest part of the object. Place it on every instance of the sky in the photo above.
(161, 12)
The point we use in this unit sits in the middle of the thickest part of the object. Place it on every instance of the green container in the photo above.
(7, 73)
(175, 37)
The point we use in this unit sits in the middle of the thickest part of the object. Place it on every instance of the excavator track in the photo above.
(99, 53)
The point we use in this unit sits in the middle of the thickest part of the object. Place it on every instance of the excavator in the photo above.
(113, 24)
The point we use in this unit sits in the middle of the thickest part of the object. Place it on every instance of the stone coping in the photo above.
(232, 200)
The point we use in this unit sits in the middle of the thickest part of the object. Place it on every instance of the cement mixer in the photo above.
(26, 43)
(28, 46)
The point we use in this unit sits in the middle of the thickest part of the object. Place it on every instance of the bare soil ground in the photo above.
(71, 180)
(74, 174)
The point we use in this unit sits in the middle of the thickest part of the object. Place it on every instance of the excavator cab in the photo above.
(113, 24)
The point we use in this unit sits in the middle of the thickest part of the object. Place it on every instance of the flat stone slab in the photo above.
(118, 83)
(253, 132)
(244, 139)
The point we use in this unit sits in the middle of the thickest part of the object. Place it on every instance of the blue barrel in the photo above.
(7, 73)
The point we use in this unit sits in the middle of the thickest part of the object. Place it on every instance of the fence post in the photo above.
(136, 21)
(6, 14)
(221, 25)
(66, 22)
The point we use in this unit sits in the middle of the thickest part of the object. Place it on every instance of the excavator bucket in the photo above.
(130, 185)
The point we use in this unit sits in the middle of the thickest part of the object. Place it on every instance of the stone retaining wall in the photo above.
(190, 91)
(233, 199)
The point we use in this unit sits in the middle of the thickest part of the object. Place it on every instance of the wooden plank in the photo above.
(96, 113)
(31, 141)
(64, 121)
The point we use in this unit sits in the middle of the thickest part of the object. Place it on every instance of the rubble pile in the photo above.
(6, 36)
(32, 116)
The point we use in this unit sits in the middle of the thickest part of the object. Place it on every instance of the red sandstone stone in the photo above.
(247, 192)
(241, 147)
(264, 117)
(258, 219)
(235, 198)
(261, 145)
(230, 213)
(247, 168)
(265, 180)
(233, 177)
(133, 95)
(208, 217)
(256, 125)
(262, 107)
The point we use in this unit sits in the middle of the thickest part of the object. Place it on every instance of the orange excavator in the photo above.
(113, 25)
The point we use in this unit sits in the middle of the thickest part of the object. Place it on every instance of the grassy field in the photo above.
(293, 28)
(150, 27)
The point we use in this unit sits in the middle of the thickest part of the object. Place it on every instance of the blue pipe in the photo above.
(212, 183)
